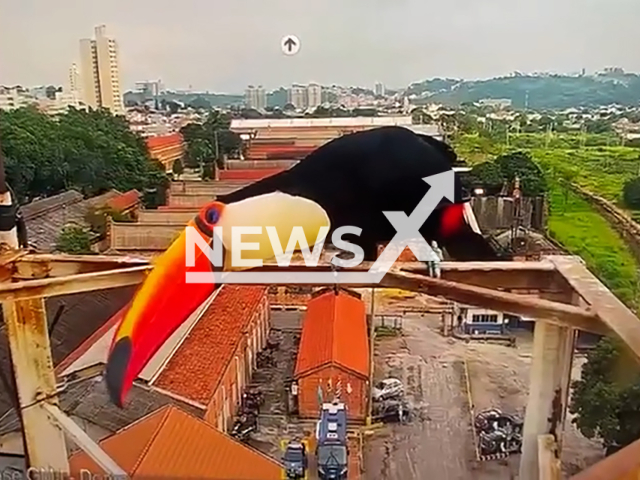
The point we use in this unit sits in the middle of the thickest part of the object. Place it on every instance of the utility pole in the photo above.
(372, 334)
(215, 136)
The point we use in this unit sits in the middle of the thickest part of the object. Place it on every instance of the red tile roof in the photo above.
(334, 332)
(164, 141)
(170, 443)
(196, 368)
(125, 200)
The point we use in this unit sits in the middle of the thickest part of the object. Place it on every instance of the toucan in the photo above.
(349, 181)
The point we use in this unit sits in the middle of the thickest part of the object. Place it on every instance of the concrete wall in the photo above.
(166, 217)
(226, 399)
(134, 236)
(182, 200)
(497, 213)
(210, 189)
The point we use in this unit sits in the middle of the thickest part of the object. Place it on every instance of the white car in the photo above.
(387, 388)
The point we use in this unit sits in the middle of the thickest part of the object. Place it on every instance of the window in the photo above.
(484, 318)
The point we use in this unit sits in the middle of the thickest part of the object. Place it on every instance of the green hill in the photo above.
(536, 92)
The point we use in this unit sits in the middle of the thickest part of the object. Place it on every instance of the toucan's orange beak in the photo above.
(163, 302)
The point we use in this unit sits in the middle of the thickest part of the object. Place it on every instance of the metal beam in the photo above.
(473, 295)
(85, 282)
(26, 323)
(608, 308)
(107, 276)
(534, 276)
(38, 266)
(558, 313)
(84, 441)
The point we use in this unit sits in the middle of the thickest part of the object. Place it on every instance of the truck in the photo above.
(332, 453)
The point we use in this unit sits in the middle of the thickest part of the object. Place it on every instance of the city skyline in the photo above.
(219, 48)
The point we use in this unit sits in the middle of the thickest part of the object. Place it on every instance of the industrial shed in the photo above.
(333, 357)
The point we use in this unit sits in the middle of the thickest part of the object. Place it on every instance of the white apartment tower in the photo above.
(256, 97)
(74, 79)
(379, 89)
(314, 95)
(297, 96)
(100, 72)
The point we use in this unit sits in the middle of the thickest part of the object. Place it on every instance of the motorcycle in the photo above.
(244, 426)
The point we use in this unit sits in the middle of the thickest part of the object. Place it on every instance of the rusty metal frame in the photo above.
(547, 290)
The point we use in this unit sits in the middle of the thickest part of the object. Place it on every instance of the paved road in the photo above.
(438, 443)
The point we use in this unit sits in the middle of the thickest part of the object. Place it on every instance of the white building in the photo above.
(297, 96)
(314, 95)
(15, 97)
(255, 97)
(100, 72)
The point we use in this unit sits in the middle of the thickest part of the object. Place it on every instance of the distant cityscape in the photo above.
(152, 109)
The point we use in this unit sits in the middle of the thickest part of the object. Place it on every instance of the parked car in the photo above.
(387, 388)
(295, 460)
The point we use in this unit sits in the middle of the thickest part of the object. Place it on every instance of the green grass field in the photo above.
(572, 221)
(584, 232)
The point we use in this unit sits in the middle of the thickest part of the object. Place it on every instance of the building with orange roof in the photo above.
(203, 367)
(128, 202)
(166, 149)
(215, 361)
(170, 443)
(333, 357)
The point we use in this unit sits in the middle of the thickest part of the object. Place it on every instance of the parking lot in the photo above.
(439, 439)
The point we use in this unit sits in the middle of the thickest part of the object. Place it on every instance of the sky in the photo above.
(222, 46)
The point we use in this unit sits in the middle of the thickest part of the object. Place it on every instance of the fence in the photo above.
(498, 213)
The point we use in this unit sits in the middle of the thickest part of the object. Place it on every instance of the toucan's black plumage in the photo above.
(354, 178)
(358, 176)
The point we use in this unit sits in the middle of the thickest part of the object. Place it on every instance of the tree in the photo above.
(631, 193)
(200, 103)
(74, 239)
(211, 140)
(606, 399)
(178, 168)
(208, 171)
(505, 168)
(486, 175)
(172, 106)
(91, 151)
(521, 165)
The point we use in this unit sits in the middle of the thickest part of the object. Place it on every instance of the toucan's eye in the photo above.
(213, 215)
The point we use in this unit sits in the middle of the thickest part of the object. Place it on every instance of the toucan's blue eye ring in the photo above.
(213, 215)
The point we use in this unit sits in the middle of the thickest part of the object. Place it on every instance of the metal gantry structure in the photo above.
(558, 291)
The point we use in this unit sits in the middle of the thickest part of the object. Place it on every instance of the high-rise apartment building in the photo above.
(100, 72)
(314, 95)
(297, 96)
(379, 89)
(255, 97)
(74, 79)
